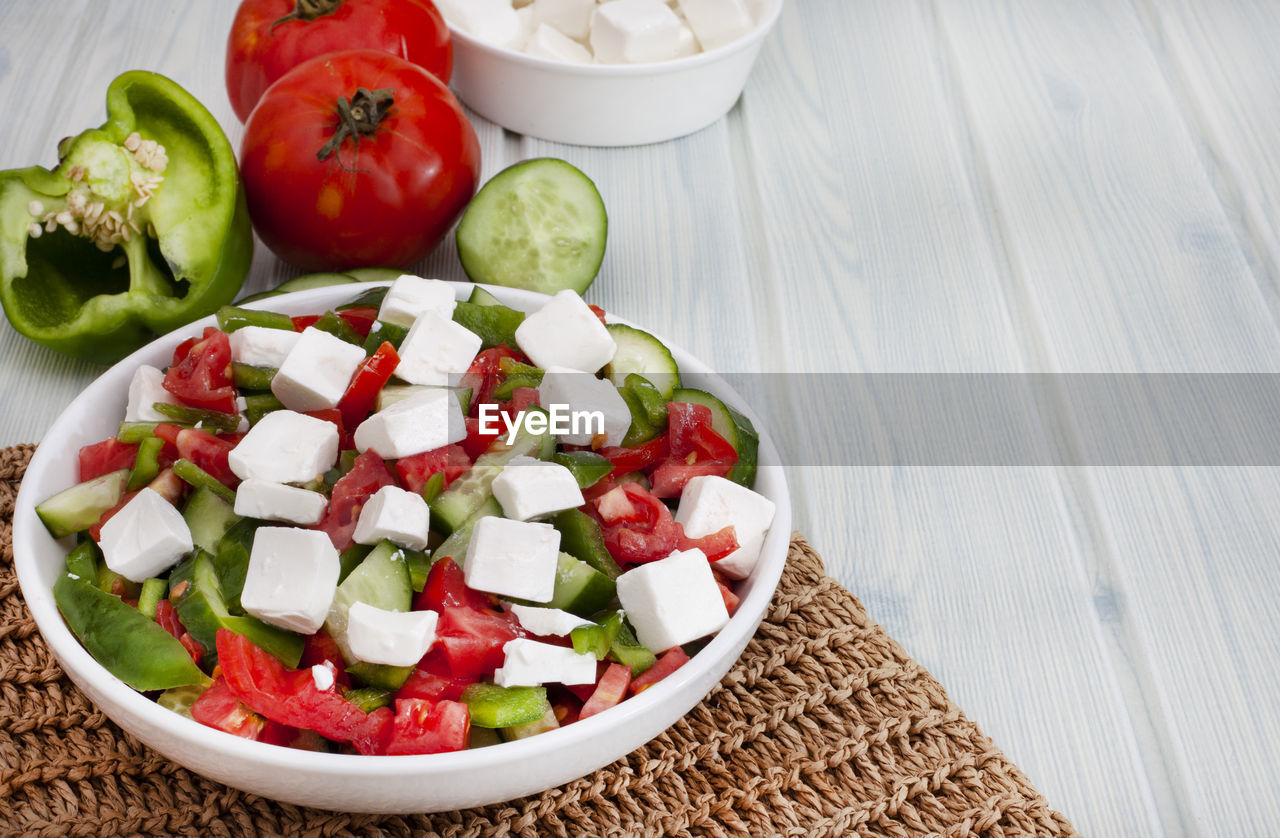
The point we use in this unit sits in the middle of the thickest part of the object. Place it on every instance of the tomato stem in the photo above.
(309, 10)
(358, 117)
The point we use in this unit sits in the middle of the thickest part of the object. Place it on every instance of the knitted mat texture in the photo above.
(825, 727)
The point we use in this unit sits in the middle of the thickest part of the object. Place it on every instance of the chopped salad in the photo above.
(408, 525)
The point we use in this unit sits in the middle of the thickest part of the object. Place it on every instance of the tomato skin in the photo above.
(417, 469)
(425, 727)
(259, 50)
(612, 688)
(201, 377)
(107, 456)
(353, 489)
(362, 393)
(388, 199)
(432, 680)
(218, 708)
(472, 640)
(668, 662)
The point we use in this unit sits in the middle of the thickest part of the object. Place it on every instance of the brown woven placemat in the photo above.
(824, 727)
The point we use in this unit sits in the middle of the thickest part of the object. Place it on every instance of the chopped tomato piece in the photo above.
(209, 452)
(668, 662)
(202, 377)
(637, 526)
(611, 689)
(670, 478)
(219, 708)
(446, 587)
(169, 486)
(433, 680)
(709, 445)
(478, 439)
(322, 649)
(521, 399)
(715, 546)
(472, 640)
(416, 470)
(362, 393)
(304, 321)
(682, 419)
(361, 319)
(731, 599)
(638, 458)
(105, 457)
(167, 617)
(426, 727)
(353, 489)
(598, 312)
(290, 696)
(484, 375)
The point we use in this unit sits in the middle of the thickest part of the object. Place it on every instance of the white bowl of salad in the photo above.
(400, 628)
(617, 73)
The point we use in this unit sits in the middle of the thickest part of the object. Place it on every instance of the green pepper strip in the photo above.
(493, 706)
(130, 646)
(197, 477)
(433, 487)
(153, 590)
(252, 378)
(582, 538)
(83, 560)
(597, 638)
(232, 318)
(259, 405)
(129, 256)
(651, 399)
(641, 430)
(137, 431)
(495, 324)
(209, 420)
(419, 564)
(369, 699)
(587, 467)
(626, 649)
(384, 333)
(338, 327)
(369, 299)
(146, 465)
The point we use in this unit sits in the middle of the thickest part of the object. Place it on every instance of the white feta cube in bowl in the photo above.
(565, 332)
(530, 488)
(144, 538)
(286, 447)
(528, 663)
(587, 406)
(316, 371)
(424, 421)
(390, 638)
(410, 297)
(145, 389)
(269, 501)
(292, 577)
(709, 504)
(259, 346)
(513, 558)
(634, 32)
(673, 601)
(401, 517)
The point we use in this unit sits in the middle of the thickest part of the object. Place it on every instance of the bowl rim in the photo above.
(653, 68)
(77, 661)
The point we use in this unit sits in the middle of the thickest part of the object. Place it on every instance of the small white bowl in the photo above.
(606, 104)
(389, 785)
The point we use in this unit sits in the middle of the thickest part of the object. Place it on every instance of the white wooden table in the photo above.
(944, 186)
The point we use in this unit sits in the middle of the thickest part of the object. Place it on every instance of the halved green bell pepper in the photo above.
(140, 228)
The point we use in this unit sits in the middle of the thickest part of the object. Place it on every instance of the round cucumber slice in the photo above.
(301, 283)
(375, 274)
(539, 225)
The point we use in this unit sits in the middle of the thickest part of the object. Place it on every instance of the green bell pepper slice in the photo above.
(130, 646)
(141, 227)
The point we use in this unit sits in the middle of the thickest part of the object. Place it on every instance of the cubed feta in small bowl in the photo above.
(612, 73)
(294, 571)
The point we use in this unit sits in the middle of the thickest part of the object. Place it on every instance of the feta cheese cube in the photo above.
(530, 488)
(717, 22)
(316, 371)
(145, 389)
(146, 537)
(548, 42)
(425, 421)
(292, 577)
(529, 663)
(436, 349)
(673, 601)
(547, 622)
(277, 502)
(259, 346)
(566, 333)
(390, 638)
(394, 514)
(525, 15)
(687, 43)
(322, 676)
(513, 558)
(492, 21)
(594, 403)
(709, 504)
(410, 297)
(634, 32)
(571, 18)
(286, 447)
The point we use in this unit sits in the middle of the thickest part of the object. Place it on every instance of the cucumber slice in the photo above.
(581, 537)
(381, 580)
(375, 274)
(456, 544)
(641, 353)
(81, 506)
(470, 491)
(538, 225)
(547, 721)
(392, 393)
(580, 588)
(380, 676)
(208, 517)
(300, 283)
(734, 427)
(481, 297)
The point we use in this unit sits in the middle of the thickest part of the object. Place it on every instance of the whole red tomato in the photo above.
(270, 37)
(357, 158)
